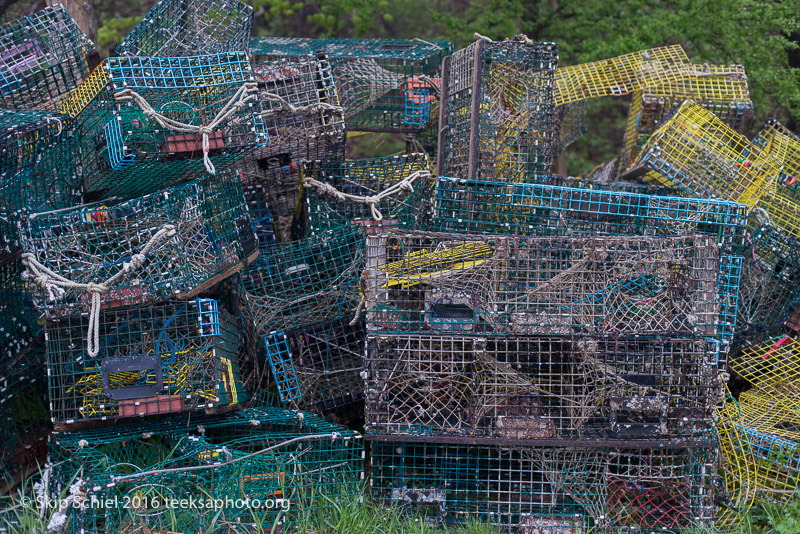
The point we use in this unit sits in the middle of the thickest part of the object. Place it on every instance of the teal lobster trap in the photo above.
(170, 357)
(547, 490)
(44, 56)
(375, 194)
(150, 122)
(173, 28)
(302, 282)
(253, 469)
(385, 85)
(19, 325)
(559, 286)
(174, 243)
(542, 390)
(318, 368)
(498, 118)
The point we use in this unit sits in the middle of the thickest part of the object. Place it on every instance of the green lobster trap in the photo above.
(768, 290)
(317, 368)
(307, 281)
(375, 194)
(498, 116)
(547, 490)
(385, 85)
(44, 57)
(571, 124)
(174, 243)
(273, 206)
(170, 357)
(149, 122)
(558, 286)
(19, 326)
(175, 28)
(256, 468)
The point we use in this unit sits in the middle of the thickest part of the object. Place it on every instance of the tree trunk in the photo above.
(82, 12)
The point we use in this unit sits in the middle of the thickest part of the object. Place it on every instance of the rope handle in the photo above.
(55, 284)
(406, 184)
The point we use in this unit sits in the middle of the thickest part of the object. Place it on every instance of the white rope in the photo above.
(372, 201)
(521, 37)
(285, 105)
(761, 215)
(243, 95)
(55, 284)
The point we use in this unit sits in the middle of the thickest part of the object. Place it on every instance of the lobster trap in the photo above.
(317, 368)
(542, 389)
(580, 286)
(768, 288)
(571, 124)
(307, 281)
(19, 326)
(502, 93)
(45, 56)
(148, 122)
(696, 152)
(174, 243)
(770, 444)
(783, 203)
(274, 205)
(170, 357)
(246, 470)
(385, 85)
(772, 366)
(177, 28)
(721, 89)
(619, 75)
(375, 194)
(545, 490)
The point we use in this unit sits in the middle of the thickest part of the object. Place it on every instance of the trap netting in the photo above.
(189, 28)
(45, 56)
(581, 286)
(768, 288)
(385, 85)
(619, 75)
(721, 89)
(307, 281)
(317, 368)
(542, 388)
(24, 417)
(696, 152)
(734, 465)
(272, 204)
(148, 122)
(174, 243)
(498, 118)
(783, 203)
(772, 366)
(19, 325)
(251, 469)
(165, 358)
(571, 124)
(770, 428)
(544, 490)
(376, 194)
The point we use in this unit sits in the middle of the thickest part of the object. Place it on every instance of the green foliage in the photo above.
(114, 30)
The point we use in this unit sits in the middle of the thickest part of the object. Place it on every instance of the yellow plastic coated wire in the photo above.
(735, 466)
(773, 367)
(782, 203)
(80, 97)
(418, 266)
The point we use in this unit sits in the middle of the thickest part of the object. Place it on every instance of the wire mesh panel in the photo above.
(571, 124)
(499, 119)
(384, 84)
(721, 89)
(19, 326)
(149, 122)
(546, 490)
(772, 366)
(251, 469)
(177, 242)
(190, 28)
(770, 281)
(783, 203)
(542, 388)
(307, 281)
(170, 357)
(45, 55)
(696, 152)
(735, 467)
(490, 286)
(375, 194)
(318, 368)
(273, 204)
(618, 76)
